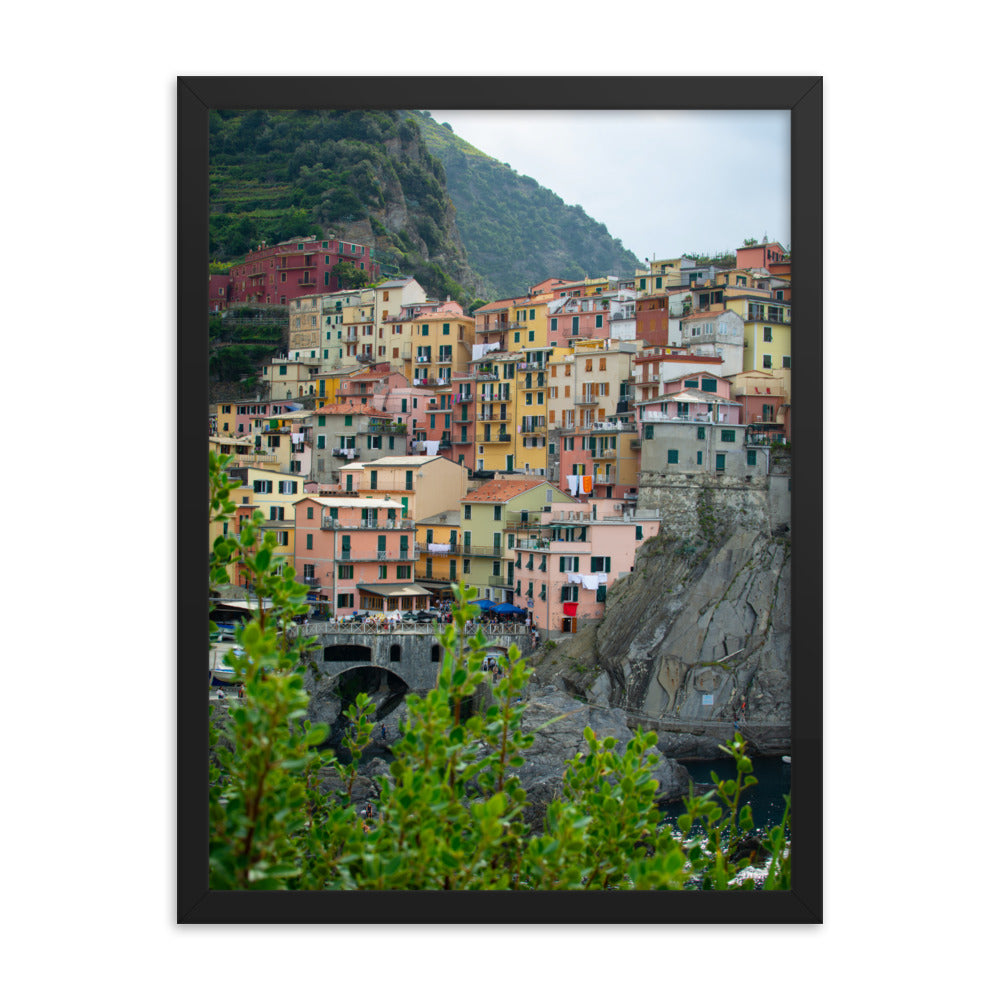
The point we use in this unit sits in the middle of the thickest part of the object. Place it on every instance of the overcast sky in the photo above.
(664, 182)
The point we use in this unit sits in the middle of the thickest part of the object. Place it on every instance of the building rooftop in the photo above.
(351, 502)
(351, 408)
(501, 490)
(449, 517)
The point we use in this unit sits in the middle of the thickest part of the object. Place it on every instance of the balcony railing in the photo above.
(485, 551)
(516, 522)
(438, 577)
(499, 581)
(454, 549)
(334, 524)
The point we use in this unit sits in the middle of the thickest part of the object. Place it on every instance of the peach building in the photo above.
(568, 557)
(356, 553)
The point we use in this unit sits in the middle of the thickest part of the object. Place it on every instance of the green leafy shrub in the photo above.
(450, 815)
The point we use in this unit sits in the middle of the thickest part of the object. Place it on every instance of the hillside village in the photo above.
(528, 449)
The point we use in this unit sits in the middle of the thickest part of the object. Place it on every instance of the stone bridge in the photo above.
(411, 651)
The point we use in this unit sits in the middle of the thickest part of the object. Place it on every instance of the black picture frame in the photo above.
(802, 96)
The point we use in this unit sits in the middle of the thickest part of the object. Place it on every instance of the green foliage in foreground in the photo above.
(450, 815)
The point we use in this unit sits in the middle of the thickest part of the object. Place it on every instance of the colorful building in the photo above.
(590, 427)
(439, 552)
(273, 493)
(491, 514)
(346, 546)
(421, 484)
(440, 343)
(655, 368)
(761, 255)
(569, 556)
(299, 266)
(348, 432)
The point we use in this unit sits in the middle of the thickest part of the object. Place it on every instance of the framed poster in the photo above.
(711, 685)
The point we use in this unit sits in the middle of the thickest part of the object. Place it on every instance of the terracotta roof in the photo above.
(501, 490)
(704, 314)
(352, 408)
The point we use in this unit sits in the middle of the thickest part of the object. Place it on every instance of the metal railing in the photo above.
(333, 524)
(372, 626)
(485, 551)
(454, 549)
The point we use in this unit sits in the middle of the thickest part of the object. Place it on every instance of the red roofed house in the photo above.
(490, 516)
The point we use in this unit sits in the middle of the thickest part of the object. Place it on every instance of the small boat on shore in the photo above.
(219, 673)
(785, 759)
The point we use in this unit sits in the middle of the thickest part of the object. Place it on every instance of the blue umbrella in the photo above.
(484, 603)
(506, 609)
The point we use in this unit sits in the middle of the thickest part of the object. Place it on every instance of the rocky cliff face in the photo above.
(695, 638)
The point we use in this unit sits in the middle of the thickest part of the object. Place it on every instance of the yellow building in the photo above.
(356, 340)
(423, 484)
(438, 552)
(496, 401)
(440, 344)
(767, 331)
(270, 491)
(490, 517)
(589, 384)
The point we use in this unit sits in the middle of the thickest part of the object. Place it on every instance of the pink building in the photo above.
(568, 558)
(372, 386)
(656, 368)
(218, 292)
(298, 266)
(356, 554)
(761, 255)
(689, 404)
(766, 410)
(578, 318)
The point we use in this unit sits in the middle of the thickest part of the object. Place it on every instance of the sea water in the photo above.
(766, 798)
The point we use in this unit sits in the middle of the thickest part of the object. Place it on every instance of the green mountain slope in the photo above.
(515, 231)
(365, 175)
(429, 203)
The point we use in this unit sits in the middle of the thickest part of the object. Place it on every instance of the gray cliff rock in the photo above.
(557, 721)
(696, 637)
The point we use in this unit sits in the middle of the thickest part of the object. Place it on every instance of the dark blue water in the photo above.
(766, 798)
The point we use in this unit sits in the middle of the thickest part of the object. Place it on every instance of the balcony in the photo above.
(587, 400)
(306, 281)
(333, 524)
(499, 581)
(635, 444)
(437, 577)
(454, 549)
(279, 524)
(516, 522)
(485, 551)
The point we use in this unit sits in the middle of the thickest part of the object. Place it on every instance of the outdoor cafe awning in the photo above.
(395, 589)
